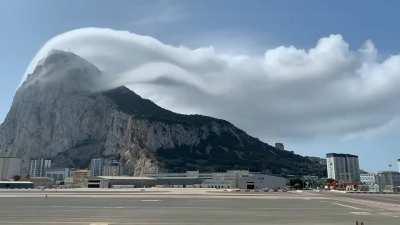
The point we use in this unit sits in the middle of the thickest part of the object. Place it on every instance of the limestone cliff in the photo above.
(62, 112)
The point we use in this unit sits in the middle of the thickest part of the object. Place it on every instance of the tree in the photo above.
(297, 183)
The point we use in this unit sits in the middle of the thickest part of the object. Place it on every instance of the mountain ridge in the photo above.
(69, 119)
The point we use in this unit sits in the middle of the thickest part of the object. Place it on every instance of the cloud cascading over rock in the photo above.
(329, 89)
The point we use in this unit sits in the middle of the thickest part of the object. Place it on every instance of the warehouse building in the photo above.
(227, 180)
(262, 181)
(241, 179)
(120, 182)
(142, 182)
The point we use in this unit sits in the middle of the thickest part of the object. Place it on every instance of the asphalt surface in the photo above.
(387, 198)
(190, 209)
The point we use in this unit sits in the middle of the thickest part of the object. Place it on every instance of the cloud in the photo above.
(329, 89)
(160, 13)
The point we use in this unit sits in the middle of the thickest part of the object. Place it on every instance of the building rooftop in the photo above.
(145, 178)
(389, 172)
(14, 182)
(340, 155)
(177, 178)
(125, 178)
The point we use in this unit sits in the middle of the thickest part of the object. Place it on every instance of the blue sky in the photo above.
(230, 26)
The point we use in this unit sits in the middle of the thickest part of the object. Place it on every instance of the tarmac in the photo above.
(195, 207)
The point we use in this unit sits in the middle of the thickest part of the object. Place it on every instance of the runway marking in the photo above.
(361, 213)
(47, 222)
(150, 200)
(120, 223)
(347, 206)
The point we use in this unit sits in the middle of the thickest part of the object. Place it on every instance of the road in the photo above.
(170, 208)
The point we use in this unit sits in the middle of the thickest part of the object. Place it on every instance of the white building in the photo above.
(227, 180)
(96, 167)
(343, 168)
(389, 181)
(261, 181)
(9, 167)
(244, 179)
(38, 167)
(369, 182)
(112, 168)
(368, 178)
(58, 175)
(105, 167)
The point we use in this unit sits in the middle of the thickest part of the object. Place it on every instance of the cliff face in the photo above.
(61, 113)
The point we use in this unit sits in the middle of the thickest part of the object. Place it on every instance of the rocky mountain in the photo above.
(62, 112)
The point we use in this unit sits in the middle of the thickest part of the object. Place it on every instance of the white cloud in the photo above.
(160, 13)
(329, 89)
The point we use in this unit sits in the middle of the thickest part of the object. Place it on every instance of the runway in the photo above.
(188, 208)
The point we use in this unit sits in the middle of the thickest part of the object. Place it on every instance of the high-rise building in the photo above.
(112, 168)
(96, 167)
(9, 167)
(38, 167)
(343, 168)
(105, 167)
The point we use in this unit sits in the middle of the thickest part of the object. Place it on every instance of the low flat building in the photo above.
(243, 179)
(80, 178)
(262, 181)
(41, 182)
(141, 182)
(16, 185)
(179, 181)
(58, 175)
(225, 180)
(388, 181)
(229, 180)
(121, 181)
(368, 182)
(368, 178)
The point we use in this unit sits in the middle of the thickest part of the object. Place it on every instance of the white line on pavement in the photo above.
(361, 213)
(347, 206)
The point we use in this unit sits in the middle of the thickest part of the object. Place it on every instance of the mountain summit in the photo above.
(62, 112)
